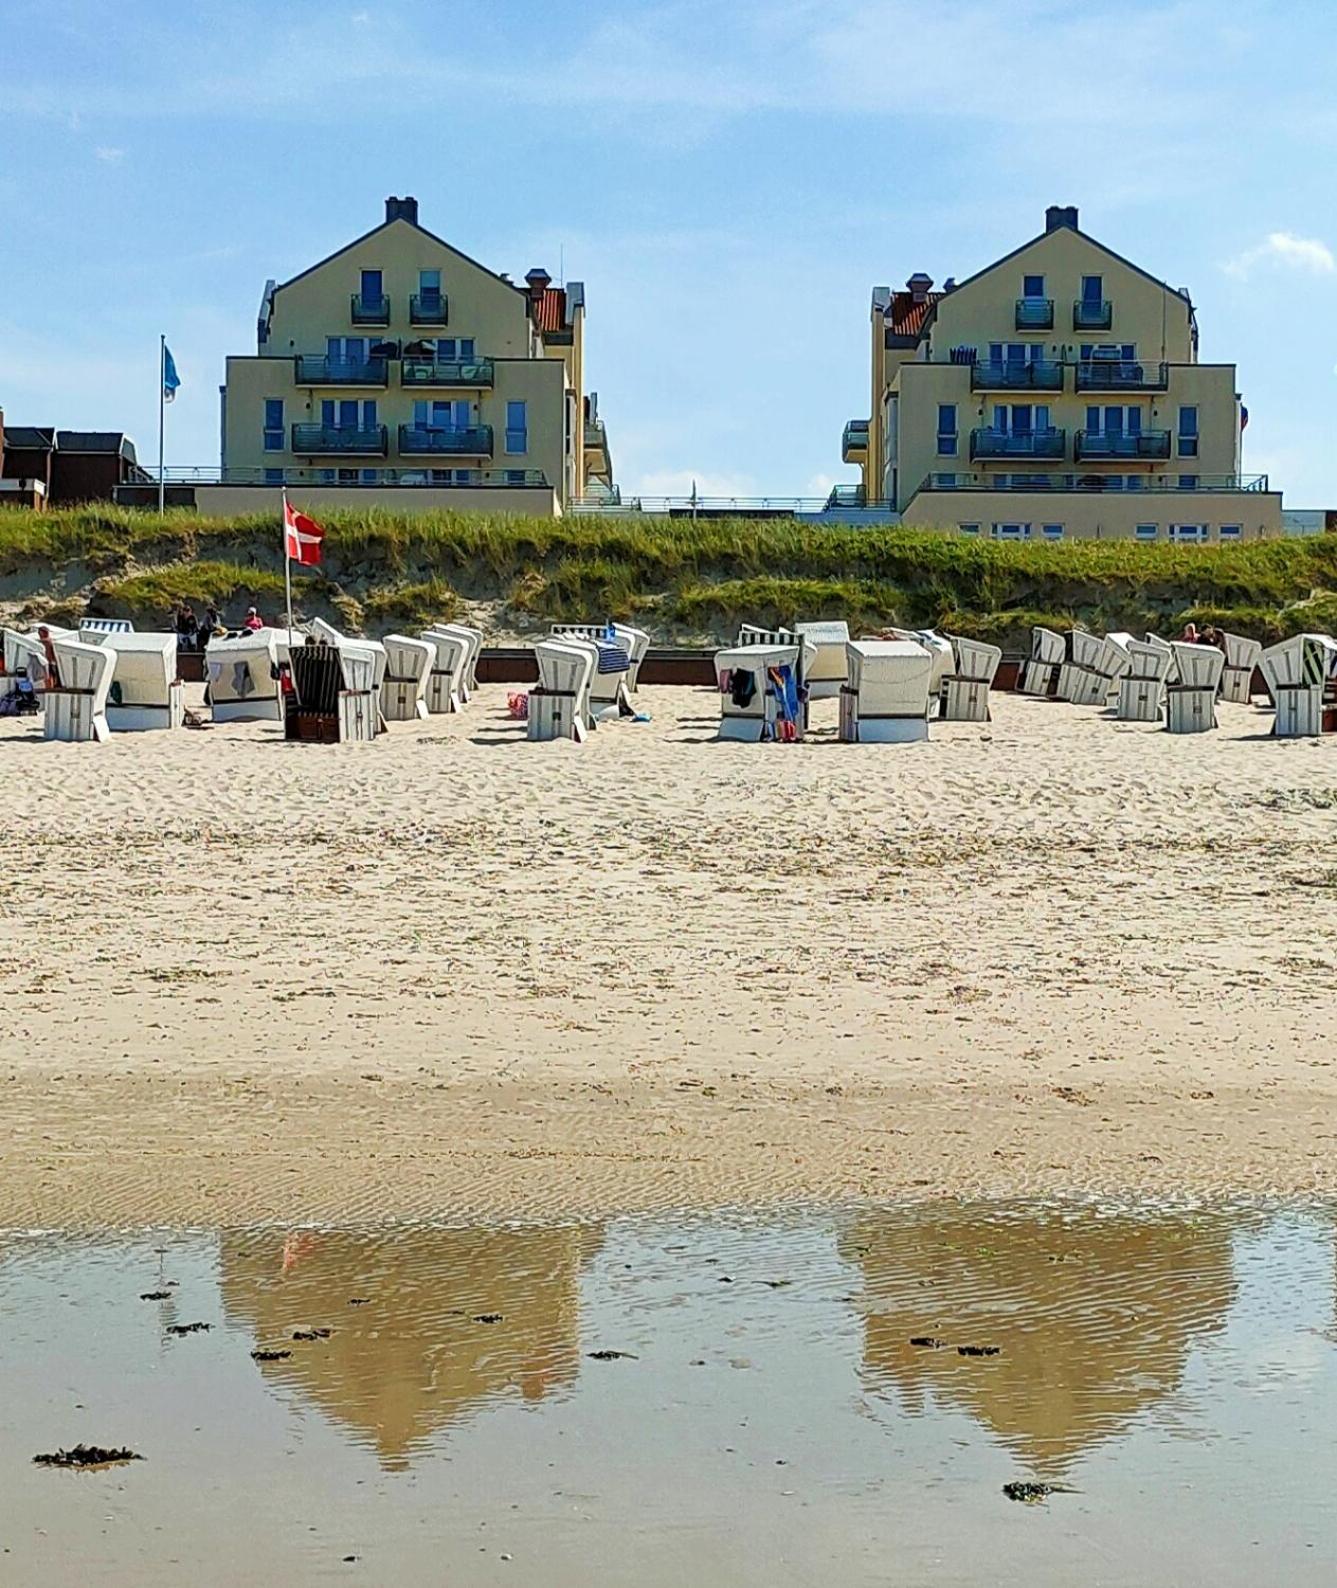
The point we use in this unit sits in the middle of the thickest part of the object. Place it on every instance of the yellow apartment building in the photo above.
(401, 362)
(1056, 394)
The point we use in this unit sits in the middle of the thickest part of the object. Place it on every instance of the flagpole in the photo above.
(162, 405)
(287, 560)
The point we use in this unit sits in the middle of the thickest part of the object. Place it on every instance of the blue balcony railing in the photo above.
(366, 440)
(1113, 374)
(342, 371)
(370, 309)
(429, 440)
(446, 372)
(1091, 444)
(429, 308)
(1035, 314)
(1089, 483)
(1092, 314)
(1015, 375)
(1030, 444)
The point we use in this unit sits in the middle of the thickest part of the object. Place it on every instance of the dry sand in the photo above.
(454, 973)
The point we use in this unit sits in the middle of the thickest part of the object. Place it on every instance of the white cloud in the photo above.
(1287, 251)
(108, 155)
(680, 482)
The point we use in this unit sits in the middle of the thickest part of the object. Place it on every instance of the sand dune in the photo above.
(453, 970)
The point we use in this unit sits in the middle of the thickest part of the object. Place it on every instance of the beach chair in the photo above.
(145, 690)
(1142, 687)
(1080, 680)
(473, 647)
(965, 690)
(88, 627)
(888, 692)
(1241, 658)
(1190, 703)
(1299, 673)
(408, 667)
(448, 674)
(242, 674)
(334, 698)
(1039, 673)
(1172, 668)
(825, 675)
(761, 698)
(635, 642)
(559, 704)
(76, 706)
(1115, 663)
(615, 644)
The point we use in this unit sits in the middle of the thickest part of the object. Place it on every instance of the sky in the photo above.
(729, 181)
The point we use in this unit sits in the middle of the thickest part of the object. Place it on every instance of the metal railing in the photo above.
(446, 372)
(1090, 315)
(1015, 375)
(1030, 444)
(321, 371)
(466, 441)
(1112, 374)
(854, 438)
(1145, 444)
(1090, 483)
(301, 474)
(429, 308)
(368, 440)
(367, 310)
(1035, 314)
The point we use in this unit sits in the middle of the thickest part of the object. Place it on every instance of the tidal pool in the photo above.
(704, 1400)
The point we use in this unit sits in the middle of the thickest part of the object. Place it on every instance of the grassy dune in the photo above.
(681, 579)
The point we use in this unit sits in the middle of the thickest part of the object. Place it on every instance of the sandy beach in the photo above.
(454, 974)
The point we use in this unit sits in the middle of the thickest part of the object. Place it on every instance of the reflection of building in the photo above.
(412, 1356)
(1094, 1316)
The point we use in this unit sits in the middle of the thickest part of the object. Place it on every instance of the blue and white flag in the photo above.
(170, 379)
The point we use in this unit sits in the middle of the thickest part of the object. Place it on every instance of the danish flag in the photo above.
(302, 536)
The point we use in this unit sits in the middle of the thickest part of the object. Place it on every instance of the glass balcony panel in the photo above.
(1146, 444)
(429, 308)
(1113, 374)
(429, 440)
(1030, 444)
(447, 372)
(322, 371)
(1035, 314)
(364, 439)
(1017, 375)
(368, 309)
(1090, 314)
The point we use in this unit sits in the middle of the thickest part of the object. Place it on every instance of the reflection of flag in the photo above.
(301, 536)
(170, 379)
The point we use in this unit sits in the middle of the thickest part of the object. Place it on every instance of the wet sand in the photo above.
(455, 972)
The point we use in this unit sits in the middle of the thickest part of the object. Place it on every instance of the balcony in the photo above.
(446, 372)
(429, 308)
(1031, 444)
(1014, 375)
(1035, 314)
(1090, 483)
(1113, 374)
(596, 437)
(472, 441)
(362, 440)
(1090, 314)
(367, 310)
(854, 442)
(1091, 445)
(342, 371)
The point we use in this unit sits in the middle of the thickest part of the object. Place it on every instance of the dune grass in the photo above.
(683, 578)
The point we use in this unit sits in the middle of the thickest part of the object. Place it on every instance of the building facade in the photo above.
(41, 465)
(1056, 394)
(399, 361)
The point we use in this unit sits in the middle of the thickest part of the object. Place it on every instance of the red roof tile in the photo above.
(906, 317)
(552, 309)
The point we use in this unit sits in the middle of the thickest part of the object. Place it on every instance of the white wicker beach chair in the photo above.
(1190, 704)
(76, 705)
(559, 704)
(1142, 688)
(408, 668)
(888, 694)
(752, 707)
(965, 691)
(1241, 658)
(145, 690)
(1299, 672)
(1039, 673)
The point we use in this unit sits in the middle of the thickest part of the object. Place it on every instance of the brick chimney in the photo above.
(401, 209)
(1059, 215)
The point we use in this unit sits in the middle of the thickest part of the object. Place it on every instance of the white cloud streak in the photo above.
(1285, 251)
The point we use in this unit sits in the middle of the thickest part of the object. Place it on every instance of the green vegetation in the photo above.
(684, 579)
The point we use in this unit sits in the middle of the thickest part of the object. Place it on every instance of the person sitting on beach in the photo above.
(187, 628)
(213, 626)
(1190, 635)
(253, 621)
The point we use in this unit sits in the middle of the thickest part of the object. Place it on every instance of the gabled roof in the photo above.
(95, 441)
(399, 220)
(1086, 237)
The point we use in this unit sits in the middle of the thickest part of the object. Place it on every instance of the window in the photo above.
(429, 286)
(1114, 352)
(1188, 432)
(1114, 419)
(1230, 532)
(452, 350)
(1188, 482)
(432, 414)
(1188, 532)
(1093, 292)
(273, 476)
(1032, 286)
(370, 476)
(273, 424)
(947, 430)
(1011, 531)
(1020, 419)
(970, 529)
(1052, 531)
(517, 428)
(1016, 352)
(515, 476)
(1146, 532)
(346, 349)
(372, 286)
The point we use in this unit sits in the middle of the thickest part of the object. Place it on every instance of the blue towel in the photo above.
(612, 658)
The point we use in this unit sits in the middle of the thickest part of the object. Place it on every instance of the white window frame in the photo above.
(1000, 532)
(1147, 532)
(969, 529)
(1188, 534)
(1231, 532)
(1051, 531)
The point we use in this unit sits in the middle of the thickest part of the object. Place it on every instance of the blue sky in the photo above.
(729, 181)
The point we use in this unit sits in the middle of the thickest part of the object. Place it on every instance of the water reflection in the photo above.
(409, 1350)
(1094, 1316)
